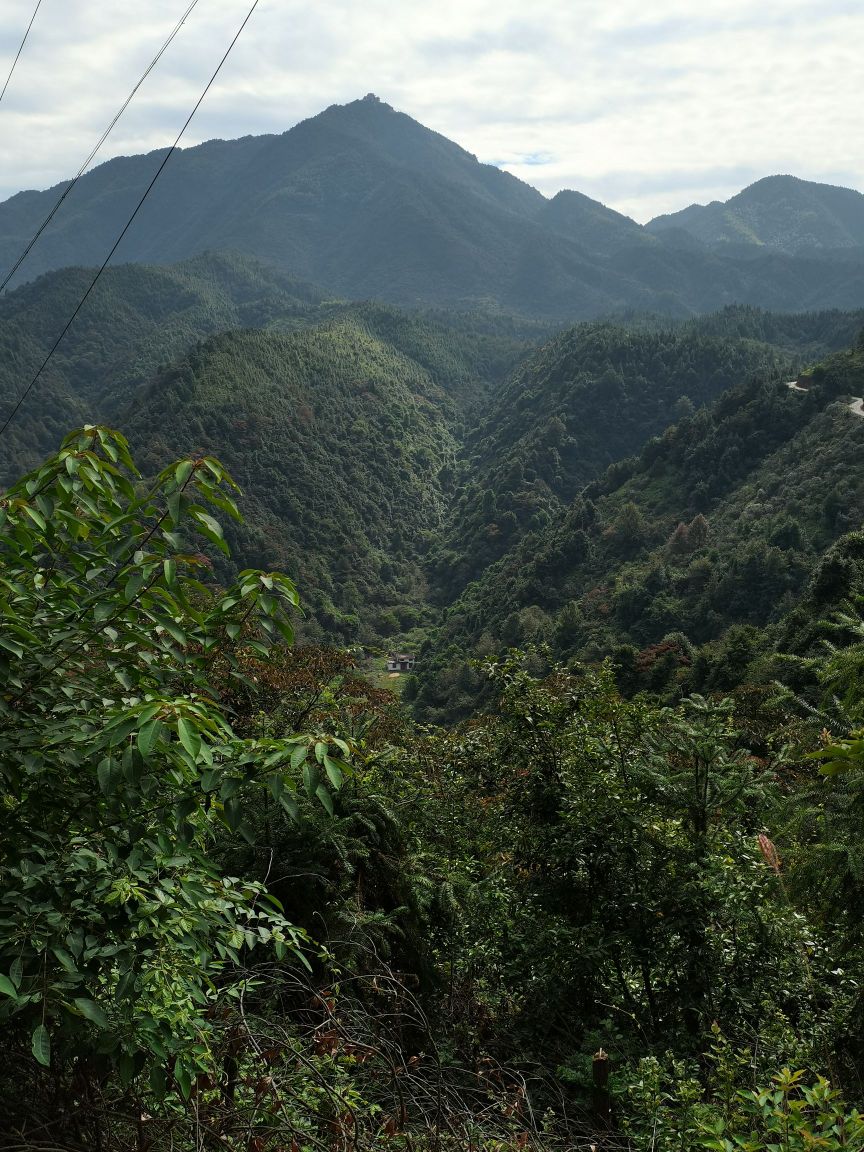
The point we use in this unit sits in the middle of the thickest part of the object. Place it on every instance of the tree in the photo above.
(679, 541)
(119, 766)
(629, 528)
(698, 531)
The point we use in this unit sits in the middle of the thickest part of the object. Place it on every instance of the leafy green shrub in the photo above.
(119, 767)
(669, 1110)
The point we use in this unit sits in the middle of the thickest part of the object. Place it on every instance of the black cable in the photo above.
(20, 49)
(128, 224)
(99, 144)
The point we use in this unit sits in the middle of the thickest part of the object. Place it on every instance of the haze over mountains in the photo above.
(365, 202)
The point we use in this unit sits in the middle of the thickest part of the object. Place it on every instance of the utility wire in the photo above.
(99, 143)
(128, 224)
(20, 49)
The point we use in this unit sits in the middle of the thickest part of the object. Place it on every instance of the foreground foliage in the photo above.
(120, 766)
(247, 903)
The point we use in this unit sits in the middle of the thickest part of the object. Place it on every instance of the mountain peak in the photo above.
(780, 212)
(591, 224)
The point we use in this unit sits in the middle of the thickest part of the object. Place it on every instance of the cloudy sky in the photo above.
(645, 106)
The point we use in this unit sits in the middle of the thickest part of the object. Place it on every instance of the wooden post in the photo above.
(601, 1100)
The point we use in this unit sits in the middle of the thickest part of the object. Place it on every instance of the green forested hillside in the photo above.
(720, 522)
(135, 319)
(432, 694)
(375, 439)
(246, 902)
(139, 318)
(343, 444)
(587, 398)
(594, 395)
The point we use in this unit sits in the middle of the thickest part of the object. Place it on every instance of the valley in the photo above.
(431, 652)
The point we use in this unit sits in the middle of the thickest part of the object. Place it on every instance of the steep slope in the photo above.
(778, 212)
(361, 198)
(366, 202)
(343, 445)
(590, 396)
(135, 319)
(140, 317)
(717, 525)
(600, 230)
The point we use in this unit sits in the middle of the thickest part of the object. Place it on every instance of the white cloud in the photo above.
(646, 107)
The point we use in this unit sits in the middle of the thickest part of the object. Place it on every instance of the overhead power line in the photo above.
(128, 223)
(20, 49)
(99, 143)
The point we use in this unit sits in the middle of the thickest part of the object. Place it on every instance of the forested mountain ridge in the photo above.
(388, 457)
(593, 395)
(718, 524)
(779, 212)
(584, 400)
(246, 896)
(343, 446)
(135, 319)
(140, 317)
(365, 202)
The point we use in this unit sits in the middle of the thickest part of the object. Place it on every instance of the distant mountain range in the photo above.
(365, 202)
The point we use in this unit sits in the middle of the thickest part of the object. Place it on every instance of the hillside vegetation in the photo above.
(591, 878)
(341, 424)
(721, 522)
(135, 319)
(243, 894)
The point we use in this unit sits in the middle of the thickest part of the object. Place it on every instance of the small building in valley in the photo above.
(400, 662)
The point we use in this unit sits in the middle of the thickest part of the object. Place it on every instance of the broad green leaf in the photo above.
(233, 809)
(36, 517)
(334, 771)
(125, 1068)
(106, 773)
(11, 646)
(183, 1078)
(147, 736)
(93, 1013)
(325, 798)
(230, 787)
(133, 586)
(65, 958)
(40, 1045)
(290, 805)
(7, 988)
(189, 737)
(311, 777)
(157, 1082)
(174, 630)
(183, 471)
